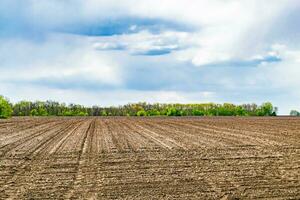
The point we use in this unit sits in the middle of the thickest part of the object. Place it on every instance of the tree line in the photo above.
(53, 108)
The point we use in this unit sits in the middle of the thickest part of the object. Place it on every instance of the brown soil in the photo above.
(150, 158)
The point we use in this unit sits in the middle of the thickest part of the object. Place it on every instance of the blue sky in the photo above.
(115, 52)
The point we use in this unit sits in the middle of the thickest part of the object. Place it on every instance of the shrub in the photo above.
(42, 112)
(103, 113)
(153, 112)
(240, 111)
(82, 114)
(34, 112)
(294, 113)
(198, 113)
(5, 108)
(67, 113)
(141, 113)
(173, 112)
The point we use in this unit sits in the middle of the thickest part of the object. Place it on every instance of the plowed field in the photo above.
(150, 158)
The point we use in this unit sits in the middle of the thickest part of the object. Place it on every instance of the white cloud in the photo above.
(57, 59)
(224, 29)
(284, 75)
(144, 42)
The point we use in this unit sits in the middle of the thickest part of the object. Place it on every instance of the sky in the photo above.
(109, 52)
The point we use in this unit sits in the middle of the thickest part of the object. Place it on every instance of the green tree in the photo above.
(294, 113)
(42, 111)
(173, 112)
(67, 113)
(198, 112)
(267, 109)
(153, 112)
(52, 108)
(227, 109)
(240, 111)
(22, 108)
(103, 113)
(141, 113)
(5, 108)
(82, 113)
(34, 112)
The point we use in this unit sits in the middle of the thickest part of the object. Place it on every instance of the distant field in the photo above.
(150, 158)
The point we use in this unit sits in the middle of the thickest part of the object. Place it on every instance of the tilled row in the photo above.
(148, 158)
(133, 134)
(211, 173)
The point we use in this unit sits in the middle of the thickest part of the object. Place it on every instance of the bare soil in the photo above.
(150, 158)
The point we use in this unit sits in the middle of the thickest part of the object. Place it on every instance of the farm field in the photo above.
(150, 158)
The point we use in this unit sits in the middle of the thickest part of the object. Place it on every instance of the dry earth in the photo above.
(150, 158)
